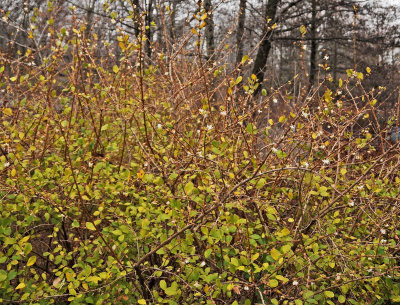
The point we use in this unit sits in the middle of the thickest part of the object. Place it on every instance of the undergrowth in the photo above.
(130, 181)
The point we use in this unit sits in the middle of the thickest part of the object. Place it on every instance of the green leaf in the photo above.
(244, 59)
(163, 284)
(90, 226)
(3, 275)
(115, 69)
(98, 167)
(342, 299)
(28, 248)
(329, 294)
(273, 283)
(260, 183)
(207, 253)
(170, 291)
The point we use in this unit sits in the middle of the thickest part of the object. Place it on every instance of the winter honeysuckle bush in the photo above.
(125, 181)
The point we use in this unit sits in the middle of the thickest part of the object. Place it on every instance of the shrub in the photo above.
(131, 183)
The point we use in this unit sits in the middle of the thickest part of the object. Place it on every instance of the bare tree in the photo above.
(240, 30)
(209, 33)
(265, 46)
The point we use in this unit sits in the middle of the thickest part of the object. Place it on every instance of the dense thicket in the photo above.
(142, 162)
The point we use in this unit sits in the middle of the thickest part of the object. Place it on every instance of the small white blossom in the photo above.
(306, 165)
(295, 283)
(383, 231)
(223, 113)
(209, 127)
(275, 101)
(326, 57)
(200, 154)
(187, 261)
(274, 149)
(246, 288)
(159, 126)
(259, 111)
(202, 111)
(113, 21)
(339, 92)
(292, 127)
(360, 187)
(304, 114)
(351, 203)
(384, 241)
(90, 164)
(326, 161)
(202, 264)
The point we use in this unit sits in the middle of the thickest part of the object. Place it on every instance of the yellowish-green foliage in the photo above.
(130, 183)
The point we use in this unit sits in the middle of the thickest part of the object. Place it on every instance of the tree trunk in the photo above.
(313, 51)
(240, 30)
(172, 19)
(89, 16)
(149, 33)
(209, 29)
(136, 22)
(265, 46)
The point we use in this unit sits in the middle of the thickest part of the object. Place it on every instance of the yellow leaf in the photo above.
(273, 283)
(31, 261)
(7, 111)
(90, 226)
(142, 302)
(20, 286)
(368, 70)
(284, 232)
(69, 276)
(140, 174)
(303, 30)
(275, 254)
